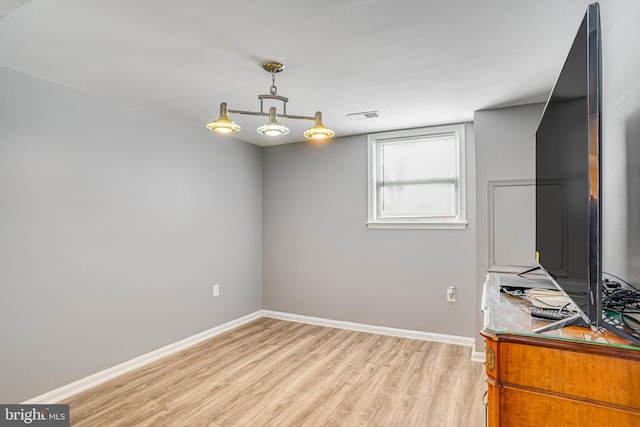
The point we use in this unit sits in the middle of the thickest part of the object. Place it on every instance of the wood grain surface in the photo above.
(277, 373)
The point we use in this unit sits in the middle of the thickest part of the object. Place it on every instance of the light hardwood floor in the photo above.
(276, 373)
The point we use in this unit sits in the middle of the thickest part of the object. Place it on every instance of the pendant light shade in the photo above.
(273, 127)
(223, 124)
(318, 132)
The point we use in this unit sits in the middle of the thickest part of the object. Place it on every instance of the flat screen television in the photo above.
(569, 192)
(568, 176)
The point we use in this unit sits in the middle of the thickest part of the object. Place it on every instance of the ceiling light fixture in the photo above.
(272, 128)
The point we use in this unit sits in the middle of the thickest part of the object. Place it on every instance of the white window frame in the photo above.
(459, 222)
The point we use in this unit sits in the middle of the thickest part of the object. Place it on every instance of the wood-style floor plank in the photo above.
(277, 373)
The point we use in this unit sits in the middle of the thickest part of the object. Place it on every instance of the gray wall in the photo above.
(320, 259)
(505, 150)
(114, 225)
(621, 139)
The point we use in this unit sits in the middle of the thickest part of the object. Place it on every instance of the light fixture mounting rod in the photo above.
(262, 113)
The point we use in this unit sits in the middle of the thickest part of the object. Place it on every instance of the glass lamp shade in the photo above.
(318, 132)
(223, 124)
(273, 127)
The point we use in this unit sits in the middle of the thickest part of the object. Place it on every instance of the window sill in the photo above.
(415, 225)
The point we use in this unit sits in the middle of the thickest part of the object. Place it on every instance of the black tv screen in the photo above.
(568, 164)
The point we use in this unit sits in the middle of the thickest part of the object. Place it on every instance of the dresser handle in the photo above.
(490, 359)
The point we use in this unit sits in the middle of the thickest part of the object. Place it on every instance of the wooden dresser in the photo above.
(568, 377)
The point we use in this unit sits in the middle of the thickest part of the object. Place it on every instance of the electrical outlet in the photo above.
(216, 290)
(451, 294)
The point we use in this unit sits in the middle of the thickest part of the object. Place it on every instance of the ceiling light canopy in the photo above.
(271, 128)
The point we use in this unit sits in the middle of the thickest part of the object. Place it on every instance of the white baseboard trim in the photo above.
(66, 391)
(381, 330)
(93, 380)
(479, 356)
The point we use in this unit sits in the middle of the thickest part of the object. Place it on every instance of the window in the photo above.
(416, 178)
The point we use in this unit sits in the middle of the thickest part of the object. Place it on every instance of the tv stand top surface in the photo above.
(507, 315)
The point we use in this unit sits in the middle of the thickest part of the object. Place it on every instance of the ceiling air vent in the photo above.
(363, 115)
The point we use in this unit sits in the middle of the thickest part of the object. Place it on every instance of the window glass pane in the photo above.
(420, 200)
(416, 178)
(418, 159)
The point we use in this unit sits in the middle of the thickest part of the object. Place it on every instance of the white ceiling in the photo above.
(417, 63)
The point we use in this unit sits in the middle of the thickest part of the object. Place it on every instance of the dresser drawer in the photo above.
(578, 374)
